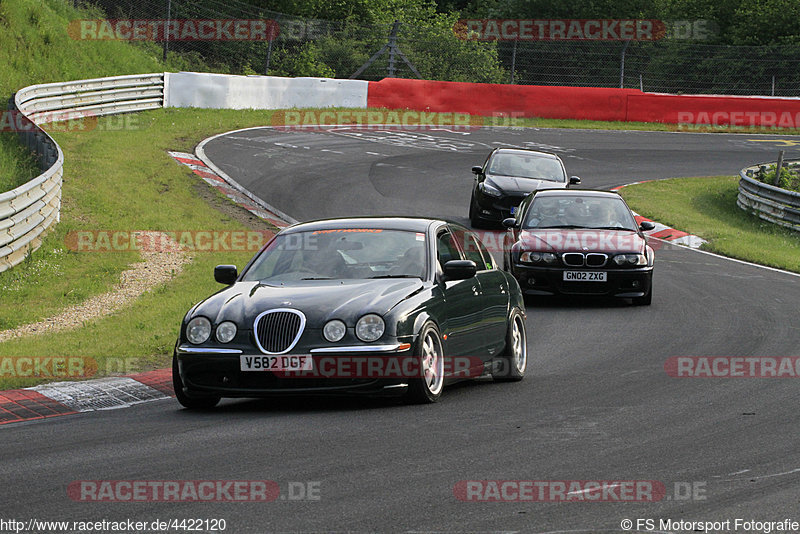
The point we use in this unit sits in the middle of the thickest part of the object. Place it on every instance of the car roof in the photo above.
(413, 224)
(527, 152)
(576, 193)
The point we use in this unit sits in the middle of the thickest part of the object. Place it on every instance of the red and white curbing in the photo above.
(65, 398)
(218, 182)
(664, 232)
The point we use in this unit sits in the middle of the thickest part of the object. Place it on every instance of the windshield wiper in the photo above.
(318, 278)
(559, 226)
(396, 276)
(613, 228)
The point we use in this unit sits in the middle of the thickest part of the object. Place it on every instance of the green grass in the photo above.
(36, 48)
(707, 207)
(139, 188)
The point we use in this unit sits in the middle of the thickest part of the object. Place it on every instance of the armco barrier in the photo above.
(771, 203)
(29, 210)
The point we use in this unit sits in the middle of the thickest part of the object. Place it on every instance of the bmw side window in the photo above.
(446, 248)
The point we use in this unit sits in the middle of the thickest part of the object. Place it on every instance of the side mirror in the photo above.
(574, 180)
(647, 225)
(510, 222)
(477, 169)
(459, 269)
(225, 274)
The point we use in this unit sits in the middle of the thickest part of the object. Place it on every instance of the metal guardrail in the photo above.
(28, 211)
(771, 203)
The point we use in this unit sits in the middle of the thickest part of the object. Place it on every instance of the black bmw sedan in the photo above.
(376, 306)
(509, 175)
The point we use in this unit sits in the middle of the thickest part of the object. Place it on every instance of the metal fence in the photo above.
(342, 49)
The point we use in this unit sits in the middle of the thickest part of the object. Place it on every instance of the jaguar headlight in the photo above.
(198, 330)
(334, 330)
(370, 327)
(226, 332)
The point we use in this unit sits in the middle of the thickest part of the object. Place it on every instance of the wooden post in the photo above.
(778, 168)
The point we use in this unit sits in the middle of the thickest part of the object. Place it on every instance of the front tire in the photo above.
(192, 403)
(474, 220)
(427, 388)
(514, 359)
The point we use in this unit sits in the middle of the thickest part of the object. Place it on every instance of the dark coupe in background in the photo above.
(324, 294)
(507, 176)
(580, 243)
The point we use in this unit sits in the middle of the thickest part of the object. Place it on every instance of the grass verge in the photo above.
(105, 188)
(707, 207)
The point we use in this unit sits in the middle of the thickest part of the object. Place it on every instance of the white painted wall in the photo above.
(224, 91)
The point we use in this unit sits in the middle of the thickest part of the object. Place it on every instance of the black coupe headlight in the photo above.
(198, 330)
(370, 327)
(630, 259)
(491, 190)
(226, 332)
(334, 330)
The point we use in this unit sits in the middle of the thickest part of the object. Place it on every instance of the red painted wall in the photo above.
(590, 103)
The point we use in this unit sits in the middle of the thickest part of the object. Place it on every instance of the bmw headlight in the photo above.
(198, 330)
(226, 332)
(370, 327)
(334, 330)
(630, 259)
(538, 257)
(491, 190)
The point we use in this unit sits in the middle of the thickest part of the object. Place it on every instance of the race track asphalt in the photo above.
(597, 403)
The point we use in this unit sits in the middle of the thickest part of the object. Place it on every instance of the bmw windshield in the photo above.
(579, 212)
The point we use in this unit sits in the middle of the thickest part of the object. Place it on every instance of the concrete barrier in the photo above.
(222, 91)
